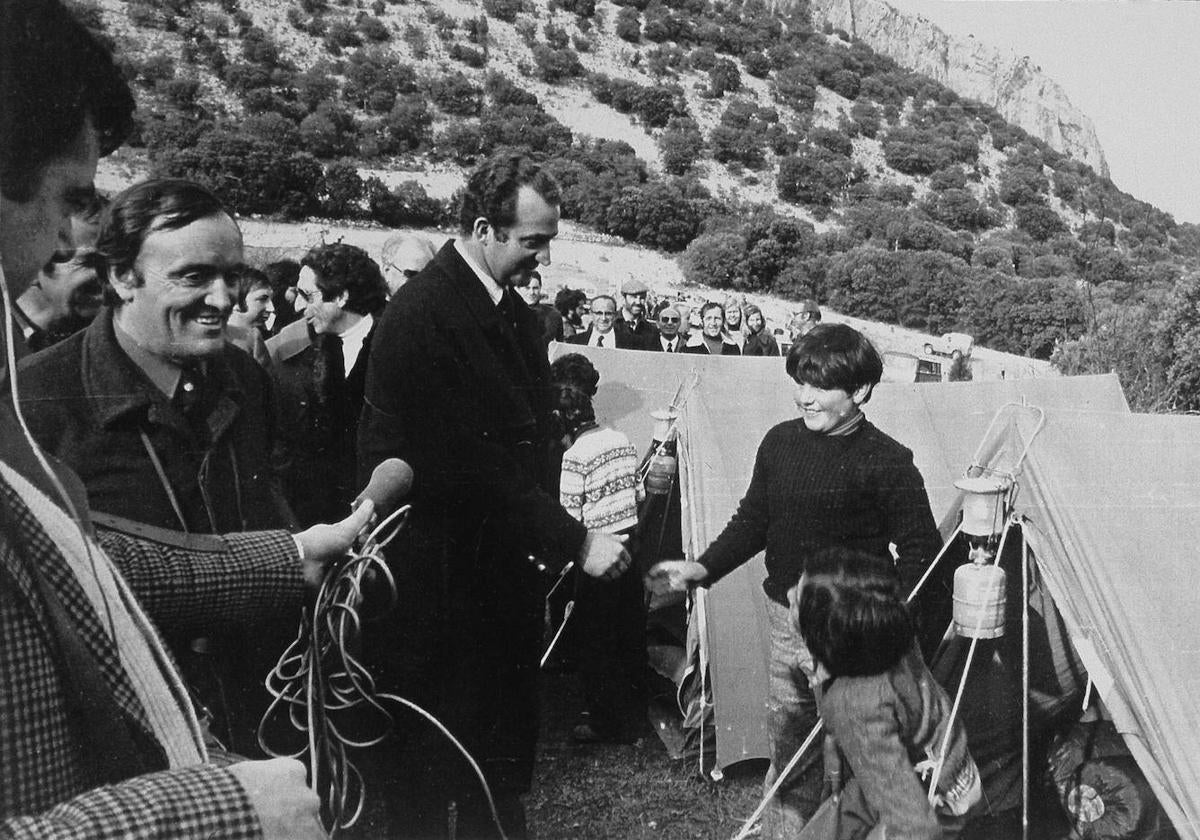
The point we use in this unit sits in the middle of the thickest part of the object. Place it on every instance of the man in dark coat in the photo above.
(641, 333)
(458, 386)
(167, 423)
(319, 367)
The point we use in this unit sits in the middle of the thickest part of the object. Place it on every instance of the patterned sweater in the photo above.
(810, 490)
(599, 484)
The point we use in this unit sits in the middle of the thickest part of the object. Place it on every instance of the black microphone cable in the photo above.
(319, 680)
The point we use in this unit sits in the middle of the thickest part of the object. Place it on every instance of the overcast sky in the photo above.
(1133, 67)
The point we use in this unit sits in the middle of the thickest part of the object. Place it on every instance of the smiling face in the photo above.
(178, 296)
(824, 409)
(713, 321)
(635, 302)
(512, 253)
(754, 322)
(323, 315)
(259, 307)
(604, 314)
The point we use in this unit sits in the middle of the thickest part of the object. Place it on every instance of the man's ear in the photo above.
(342, 299)
(862, 394)
(481, 227)
(123, 283)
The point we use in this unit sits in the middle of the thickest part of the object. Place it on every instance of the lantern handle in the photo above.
(1012, 473)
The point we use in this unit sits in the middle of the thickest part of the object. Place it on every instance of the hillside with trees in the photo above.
(769, 155)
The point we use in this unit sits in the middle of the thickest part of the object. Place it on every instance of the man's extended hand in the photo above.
(674, 576)
(323, 543)
(604, 555)
(286, 808)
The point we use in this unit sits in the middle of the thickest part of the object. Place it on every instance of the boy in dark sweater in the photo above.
(829, 478)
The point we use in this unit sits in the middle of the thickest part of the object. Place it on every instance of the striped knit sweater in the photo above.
(598, 484)
(810, 490)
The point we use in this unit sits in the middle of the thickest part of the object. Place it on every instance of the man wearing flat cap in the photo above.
(639, 334)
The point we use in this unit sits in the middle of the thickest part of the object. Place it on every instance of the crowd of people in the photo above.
(184, 438)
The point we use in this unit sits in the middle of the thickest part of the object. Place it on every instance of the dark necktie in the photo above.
(329, 369)
(599, 341)
(670, 346)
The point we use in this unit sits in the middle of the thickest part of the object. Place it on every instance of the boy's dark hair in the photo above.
(835, 356)
(574, 379)
(54, 75)
(347, 268)
(145, 208)
(492, 190)
(567, 300)
(575, 369)
(851, 613)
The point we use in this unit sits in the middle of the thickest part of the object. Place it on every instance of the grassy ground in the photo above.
(627, 791)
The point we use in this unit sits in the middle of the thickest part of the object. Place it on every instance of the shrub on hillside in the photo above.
(341, 191)
(813, 176)
(455, 94)
(340, 35)
(958, 209)
(250, 174)
(461, 142)
(523, 127)
(329, 132)
(556, 36)
(1039, 221)
(1030, 317)
(724, 77)
(555, 65)
(408, 124)
(796, 87)
(467, 55)
(1023, 185)
(373, 29)
(715, 259)
(408, 205)
(628, 27)
(504, 91)
(831, 139)
(702, 59)
(505, 10)
(681, 145)
(374, 76)
(757, 64)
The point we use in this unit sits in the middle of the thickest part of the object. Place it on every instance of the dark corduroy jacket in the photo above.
(87, 403)
(810, 490)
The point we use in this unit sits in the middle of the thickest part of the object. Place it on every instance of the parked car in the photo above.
(955, 345)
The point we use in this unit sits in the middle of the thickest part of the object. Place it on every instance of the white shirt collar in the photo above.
(495, 290)
(674, 343)
(352, 341)
(610, 338)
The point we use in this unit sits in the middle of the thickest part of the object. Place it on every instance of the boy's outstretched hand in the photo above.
(674, 576)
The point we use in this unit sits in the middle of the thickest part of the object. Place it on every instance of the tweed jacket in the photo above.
(47, 789)
(88, 403)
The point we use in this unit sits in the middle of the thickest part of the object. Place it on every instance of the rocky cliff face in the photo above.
(1011, 84)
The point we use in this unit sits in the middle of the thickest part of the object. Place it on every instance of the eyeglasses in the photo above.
(409, 273)
(667, 320)
(309, 297)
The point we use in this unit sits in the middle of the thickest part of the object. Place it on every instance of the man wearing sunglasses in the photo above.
(669, 340)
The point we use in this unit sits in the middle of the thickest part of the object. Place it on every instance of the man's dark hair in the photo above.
(346, 268)
(575, 369)
(616, 306)
(711, 305)
(835, 356)
(492, 189)
(54, 75)
(850, 611)
(282, 275)
(250, 279)
(568, 300)
(146, 208)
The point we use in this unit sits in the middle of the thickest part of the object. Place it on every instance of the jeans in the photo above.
(791, 715)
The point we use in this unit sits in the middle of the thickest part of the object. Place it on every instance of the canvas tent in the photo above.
(1112, 500)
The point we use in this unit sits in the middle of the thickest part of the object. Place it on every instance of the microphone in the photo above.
(390, 484)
